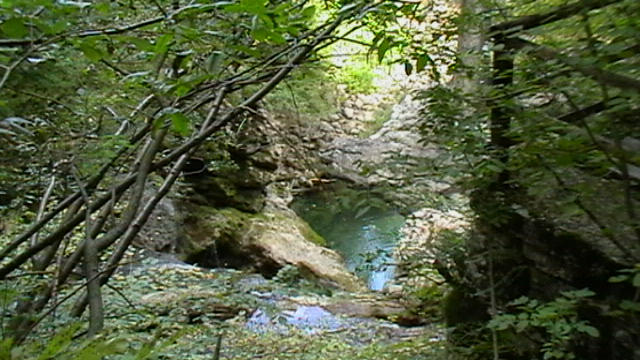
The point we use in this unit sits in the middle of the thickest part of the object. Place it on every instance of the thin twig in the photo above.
(9, 69)
(216, 352)
(62, 301)
(157, 4)
(30, 273)
(122, 295)
(494, 309)
(42, 97)
(590, 214)
(43, 204)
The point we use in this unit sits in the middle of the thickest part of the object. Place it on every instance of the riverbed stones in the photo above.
(192, 305)
(422, 229)
(420, 243)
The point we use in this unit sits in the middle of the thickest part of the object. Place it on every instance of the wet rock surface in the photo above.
(264, 242)
(397, 138)
(390, 158)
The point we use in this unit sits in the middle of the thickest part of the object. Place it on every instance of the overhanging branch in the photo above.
(106, 31)
(559, 13)
(603, 77)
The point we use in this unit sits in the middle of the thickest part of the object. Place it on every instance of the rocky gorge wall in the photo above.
(534, 256)
(233, 211)
(524, 248)
(537, 252)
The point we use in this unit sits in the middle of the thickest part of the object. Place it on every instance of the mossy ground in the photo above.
(175, 336)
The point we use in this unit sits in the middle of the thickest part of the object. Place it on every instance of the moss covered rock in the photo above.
(265, 242)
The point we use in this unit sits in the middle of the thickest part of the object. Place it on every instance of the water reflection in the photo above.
(363, 228)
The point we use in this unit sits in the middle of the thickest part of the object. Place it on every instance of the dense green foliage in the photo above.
(102, 94)
(559, 318)
(538, 124)
(544, 140)
(534, 101)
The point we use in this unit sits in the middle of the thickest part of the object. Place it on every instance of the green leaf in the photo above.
(493, 166)
(5, 349)
(234, 8)
(180, 123)
(630, 306)
(502, 322)
(578, 293)
(548, 312)
(263, 34)
(618, 278)
(213, 63)
(91, 52)
(292, 30)
(308, 12)
(277, 38)
(99, 348)
(248, 6)
(590, 330)
(15, 28)
(636, 280)
(254, 3)
(265, 21)
(571, 209)
(260, 34)
(522, 325)
(422, 62)
(59, 342)
(408, 68)
(245, 49)
(519, 301)
(51, 28)
(282, 9)
(141, 44)
(376, 39)
(163, 43)
(103, 7)
(384, 46)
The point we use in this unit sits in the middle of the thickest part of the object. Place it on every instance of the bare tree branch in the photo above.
(603, 77)
(562, 12)
(96, 316)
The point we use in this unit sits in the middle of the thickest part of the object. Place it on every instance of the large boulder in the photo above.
(265, 242)
(163, 229)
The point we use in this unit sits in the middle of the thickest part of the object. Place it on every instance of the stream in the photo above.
(359, 225)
